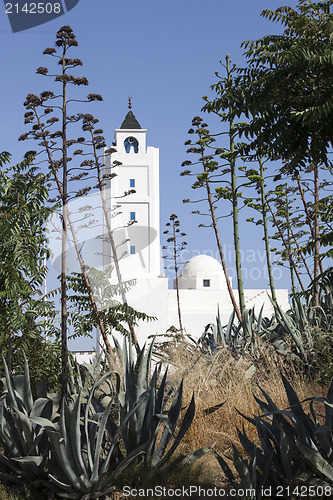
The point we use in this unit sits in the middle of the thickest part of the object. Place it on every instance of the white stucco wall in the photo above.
(199, 307)
(144, 234)
(150, 295)
(84, 356)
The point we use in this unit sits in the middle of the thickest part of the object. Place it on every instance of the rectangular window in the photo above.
(206, 283)
(132, 183)
(132, 249)
(132, 215)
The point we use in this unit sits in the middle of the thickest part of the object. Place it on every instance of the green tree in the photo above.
(287, 90)
(113, 313)
(25, 315)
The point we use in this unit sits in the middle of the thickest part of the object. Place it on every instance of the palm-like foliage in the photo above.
(112, 312)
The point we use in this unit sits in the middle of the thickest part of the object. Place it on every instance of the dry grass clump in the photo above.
(227, 378)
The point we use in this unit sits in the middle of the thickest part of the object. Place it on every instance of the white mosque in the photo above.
(135, 220)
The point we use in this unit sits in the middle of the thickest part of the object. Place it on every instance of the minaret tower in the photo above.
(135, 217)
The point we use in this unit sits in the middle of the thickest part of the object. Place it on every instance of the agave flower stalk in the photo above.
(48, 102)
(234, 192)
(176, 249)
(266, 236)
(205, 179)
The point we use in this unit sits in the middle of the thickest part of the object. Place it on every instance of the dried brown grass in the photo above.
(224, 377)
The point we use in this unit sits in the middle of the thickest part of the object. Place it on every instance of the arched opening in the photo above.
(131, 142)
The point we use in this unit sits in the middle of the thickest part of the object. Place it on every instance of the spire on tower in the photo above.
(130, 122)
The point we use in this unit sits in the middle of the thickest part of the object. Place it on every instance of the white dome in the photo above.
(201, 265)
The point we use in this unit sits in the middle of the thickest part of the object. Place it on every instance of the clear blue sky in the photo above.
(164, 55)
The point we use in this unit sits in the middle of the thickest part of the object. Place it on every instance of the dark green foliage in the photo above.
(26, 317)
(287, 90)
(243, 341)
(65, 448)
(23, 213)
(295, 447)
(285, 93)
(308, 331)
(44, 357)
(84, 442)
(287, 85)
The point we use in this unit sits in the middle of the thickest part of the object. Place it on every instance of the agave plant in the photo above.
(324, 312)
(24, 445)
(158, 421)
(304, 320)
(216, 336)
(233, 337)
(84, 459)
(77, 448)
(295, 450)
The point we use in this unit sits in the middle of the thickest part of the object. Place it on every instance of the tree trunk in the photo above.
(219, 245)
(176, 272)
(300, 252)
(291, 260)
(316, 237)
(10, 349)
(308, 216)
(291, 265)
(78, 251)
(64, 364)
(232, 163)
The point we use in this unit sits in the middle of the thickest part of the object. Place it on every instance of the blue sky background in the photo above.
(162, 54)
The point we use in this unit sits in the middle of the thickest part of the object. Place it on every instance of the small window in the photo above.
(132, 249)
(132, 215)
(132, 183)
(206, 283)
